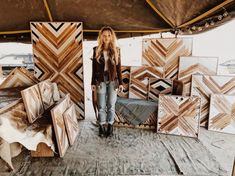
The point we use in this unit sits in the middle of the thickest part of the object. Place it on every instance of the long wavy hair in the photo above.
(112, 48)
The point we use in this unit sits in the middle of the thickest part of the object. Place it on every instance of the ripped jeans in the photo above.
(106, 100)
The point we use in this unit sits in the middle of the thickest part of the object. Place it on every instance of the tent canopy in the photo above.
(126, 17)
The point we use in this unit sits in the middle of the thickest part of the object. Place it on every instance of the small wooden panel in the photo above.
(159, 86)
(140, 81)
(33, 102)
(179, 115)
(222, 117)
(46, 90)
(59, 124)
(164, 53)
(19, 77)
(195, 65)
(204, 86)
(71, 123)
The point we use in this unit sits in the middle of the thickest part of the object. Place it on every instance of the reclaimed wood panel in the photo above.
(139, 81)
(59, 124)
(195, 65)
(33, 102)
(164, 53)
(178, 115)
(222, 113)
(57, 49)
(159, 86)
(47, 93)
(204, 86)
(19, 77)
(71, 123)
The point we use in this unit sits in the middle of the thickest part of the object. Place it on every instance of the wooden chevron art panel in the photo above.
(222, 113)
(19, 77)
(59, 124)
(139, 81)
(57, 50)
(195, 65)
(71, 123)
(204, 86)
(164, 53)
(179, 115)
(159, 86)
(33, 102)
(126, 82)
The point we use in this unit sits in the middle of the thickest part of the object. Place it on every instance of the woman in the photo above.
(106, 78)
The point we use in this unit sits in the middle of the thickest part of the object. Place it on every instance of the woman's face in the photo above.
(106, 36)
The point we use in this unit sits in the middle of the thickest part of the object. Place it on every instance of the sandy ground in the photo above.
(134, 152)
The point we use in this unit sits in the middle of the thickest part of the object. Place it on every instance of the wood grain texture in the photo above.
(57, 49)
(33, 102)
(164, 53)
(126, 81)
(195, 65)
(71, 123)
(46, 91)
(19, 77)
(204, 86)
(179, 115)
(222, 113)
(139, 81)
(59, 124)
(159, 86)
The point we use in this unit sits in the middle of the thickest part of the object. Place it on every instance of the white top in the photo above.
(106, 57)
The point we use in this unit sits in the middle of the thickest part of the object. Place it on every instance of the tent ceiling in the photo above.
(127, 17)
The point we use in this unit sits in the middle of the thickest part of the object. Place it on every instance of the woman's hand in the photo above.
(93, 87)
(120, 88)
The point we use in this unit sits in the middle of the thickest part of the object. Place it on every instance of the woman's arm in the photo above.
(93, 78)
(119, 70)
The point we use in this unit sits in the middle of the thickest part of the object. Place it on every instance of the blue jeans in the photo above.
(106, 99)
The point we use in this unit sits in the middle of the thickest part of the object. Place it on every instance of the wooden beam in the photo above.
(159, 13)
(206, 13)
(133, 31)
(48, 10)
(97, 30)
(14, 32)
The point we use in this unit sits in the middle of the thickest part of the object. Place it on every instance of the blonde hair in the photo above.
(112, 48)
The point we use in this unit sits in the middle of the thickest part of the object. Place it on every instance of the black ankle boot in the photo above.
(101, 131)
(109, 130)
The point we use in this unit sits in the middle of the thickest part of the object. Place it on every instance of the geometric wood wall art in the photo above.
(139, 81)
(126, 81)
(71, 123)
(46, 90)
(204, 86)
(19, 77)
(33, 102)
(179, 115)
(59, 124)
(195, 65)
(222, 113)
(164, 53)
(159, 86)
(57, 50)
